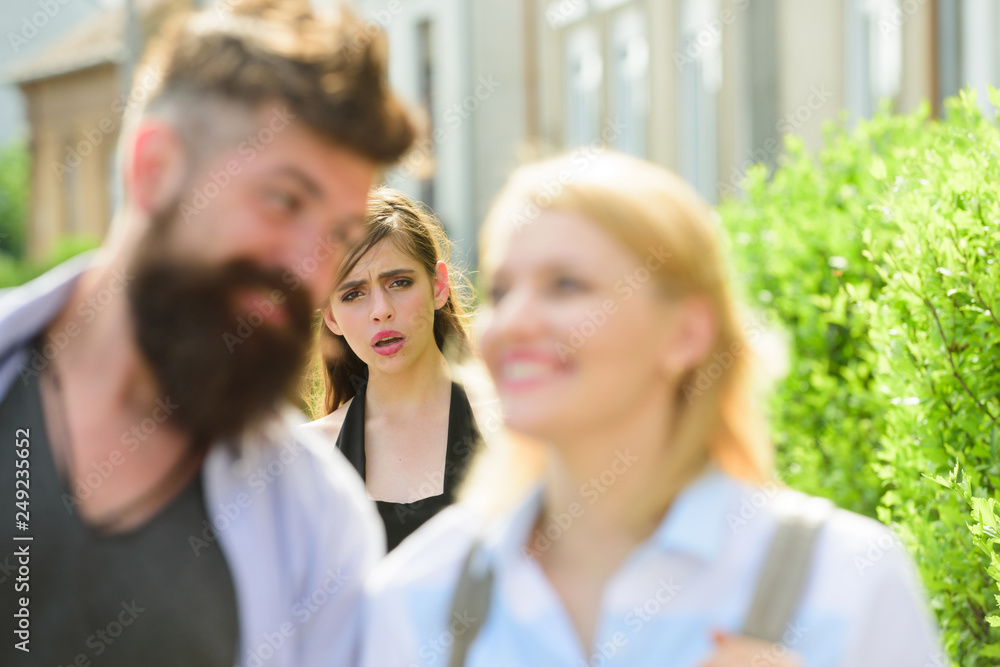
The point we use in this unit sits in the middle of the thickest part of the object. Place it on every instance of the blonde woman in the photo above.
(389, 401)
(632, 520)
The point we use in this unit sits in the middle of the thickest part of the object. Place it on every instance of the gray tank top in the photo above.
(137, 598)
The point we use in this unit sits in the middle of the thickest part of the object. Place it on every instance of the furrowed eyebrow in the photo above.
(351, 284)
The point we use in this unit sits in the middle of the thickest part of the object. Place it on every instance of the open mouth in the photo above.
(386, 342)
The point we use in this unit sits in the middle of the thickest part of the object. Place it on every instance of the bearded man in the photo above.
(165, 512)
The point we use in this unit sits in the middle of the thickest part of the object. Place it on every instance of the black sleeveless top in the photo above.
(401, 519)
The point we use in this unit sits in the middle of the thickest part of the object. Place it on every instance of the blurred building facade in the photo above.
(704, 87)
(77, 93)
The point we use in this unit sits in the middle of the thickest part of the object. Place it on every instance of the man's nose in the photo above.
(314, 264)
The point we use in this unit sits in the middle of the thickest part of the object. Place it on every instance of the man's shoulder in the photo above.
(309, 458)
(281, 460)
(432, 556)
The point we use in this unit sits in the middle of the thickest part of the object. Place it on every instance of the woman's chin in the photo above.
(535, 424)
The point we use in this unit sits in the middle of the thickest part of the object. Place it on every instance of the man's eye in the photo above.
(338, 234)
(284, 201)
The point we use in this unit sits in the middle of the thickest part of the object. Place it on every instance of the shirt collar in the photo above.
(507, 537)
(695, 524)
(27, 309)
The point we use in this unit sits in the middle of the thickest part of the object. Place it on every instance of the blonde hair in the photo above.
(643, 207)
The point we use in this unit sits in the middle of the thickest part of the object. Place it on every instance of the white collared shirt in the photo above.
(862, 604)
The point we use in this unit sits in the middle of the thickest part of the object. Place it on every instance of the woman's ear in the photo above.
(330, 322)
(694, 330)
(442, 290)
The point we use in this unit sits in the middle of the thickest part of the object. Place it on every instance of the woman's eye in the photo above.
(401, 282)
(496, 293)
(350, 296)
(565, 284)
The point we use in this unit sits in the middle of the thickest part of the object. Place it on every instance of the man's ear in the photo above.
(442, 290)
(330, 322)
(694, 329)
(157, 166)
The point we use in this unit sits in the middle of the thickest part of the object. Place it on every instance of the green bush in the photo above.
(937, 332)
(881, 258)
(15, 272)
(15, 168)
(799, 242)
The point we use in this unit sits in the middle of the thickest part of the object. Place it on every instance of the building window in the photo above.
(425, 87)
(700, 79)
(584, 74)
(980, 49)
(874, 51)
(630, 81)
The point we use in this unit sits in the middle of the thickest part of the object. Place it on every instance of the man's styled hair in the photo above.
(330, 73)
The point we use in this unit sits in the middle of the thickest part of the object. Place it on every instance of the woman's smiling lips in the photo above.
(528, 369)
(387, 342)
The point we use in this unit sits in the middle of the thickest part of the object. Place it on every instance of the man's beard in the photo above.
(213, 354)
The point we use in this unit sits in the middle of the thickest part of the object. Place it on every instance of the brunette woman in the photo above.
(391, 404)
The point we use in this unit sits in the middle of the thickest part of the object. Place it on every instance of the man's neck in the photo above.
(100, 348)
(104, 400)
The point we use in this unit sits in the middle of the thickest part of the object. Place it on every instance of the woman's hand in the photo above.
(736, 651)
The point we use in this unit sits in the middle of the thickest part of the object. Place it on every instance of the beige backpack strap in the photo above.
(783, 577)
(471, 602)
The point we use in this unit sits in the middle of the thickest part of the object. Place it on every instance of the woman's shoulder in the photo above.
(852, 553)
(330, 425)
